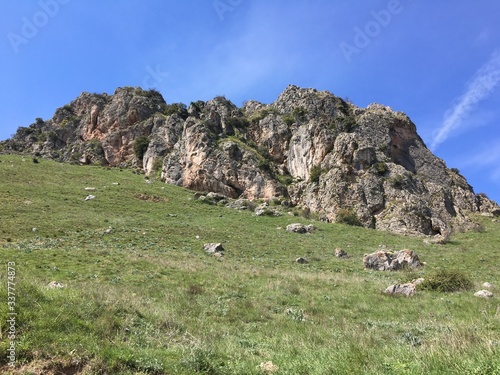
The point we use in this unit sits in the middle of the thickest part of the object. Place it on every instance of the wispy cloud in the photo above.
(486, 161)
(481, 87)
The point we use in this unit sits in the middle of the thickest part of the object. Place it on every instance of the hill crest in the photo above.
(313, 148)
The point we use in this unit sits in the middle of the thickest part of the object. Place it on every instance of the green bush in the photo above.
(380, 167)
(397, 181)
(179, 109)
(264, 164)
(299, 113)
(346, 216)
(314, 174)
(236, 122)
(285, 179)
(447, 281)
(140, 146)
(289, 120)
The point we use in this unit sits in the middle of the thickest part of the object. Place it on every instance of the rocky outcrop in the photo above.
(362, 166)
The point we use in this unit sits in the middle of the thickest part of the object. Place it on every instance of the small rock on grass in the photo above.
(484, 294)
(213, 248)
(340, 253)
(300, 228)
(268, 367)
(407, 290)
(301, 260)
(55, 285)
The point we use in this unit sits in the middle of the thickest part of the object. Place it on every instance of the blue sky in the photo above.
(437, 61)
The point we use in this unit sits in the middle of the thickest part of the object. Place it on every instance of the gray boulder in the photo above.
(484, 294)
(340, 253)
(386, 261)
(407, 290)
(300, 228)
(213, 248)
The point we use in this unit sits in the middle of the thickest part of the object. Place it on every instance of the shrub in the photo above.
(314, 174)
(147, 93)
(347, 216)
(456, 170)
(236, 122)
(140, 146)
(397, 181)
(264, 164)
(259, 115)
(299, 113)
(285, 179)
(158, 166)
(343, 124)
(447, 281)
(289, 120)
(179, 109)
(380, 167)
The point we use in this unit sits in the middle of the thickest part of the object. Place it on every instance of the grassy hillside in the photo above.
(142, 297)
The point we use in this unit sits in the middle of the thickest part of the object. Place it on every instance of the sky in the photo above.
(437, 61)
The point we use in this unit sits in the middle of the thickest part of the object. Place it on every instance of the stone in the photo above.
(380, 261)
(216, 197)
(406, 259)
(386, 261)
(484, 294)
(301, 261)
(268, 367)
(418, 281)
(212, 248)
(55, 285)
(487, 285)
(300, 228)
(89, 197)
(407, 289)
(265, 210)
(90, 189)
(240, 204)
(340, 253)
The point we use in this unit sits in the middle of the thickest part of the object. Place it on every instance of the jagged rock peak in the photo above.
(363, 166)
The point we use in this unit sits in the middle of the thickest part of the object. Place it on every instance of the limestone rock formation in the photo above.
(364, 166)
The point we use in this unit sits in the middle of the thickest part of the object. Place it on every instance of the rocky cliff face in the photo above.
(313, 148)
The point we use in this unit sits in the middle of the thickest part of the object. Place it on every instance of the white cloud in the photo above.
(486, 161)
(489, 156)
(481, 87)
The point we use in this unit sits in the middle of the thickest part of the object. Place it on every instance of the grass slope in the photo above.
(145, 299)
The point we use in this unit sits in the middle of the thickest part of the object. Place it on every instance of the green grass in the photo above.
(145, 299)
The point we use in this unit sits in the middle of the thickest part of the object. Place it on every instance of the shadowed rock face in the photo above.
(311, 147)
